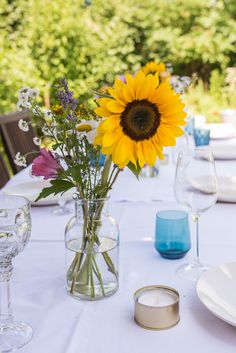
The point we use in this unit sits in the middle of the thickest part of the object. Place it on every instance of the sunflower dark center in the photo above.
(140, 120)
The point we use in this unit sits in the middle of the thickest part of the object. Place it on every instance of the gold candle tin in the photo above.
(156, 307)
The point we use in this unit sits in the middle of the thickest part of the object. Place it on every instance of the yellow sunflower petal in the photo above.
(133, 155)
(118, 86)
(141, 160)
(117, 95)
(165, 136)
(98, 139)
(161, 67)
(103, 101)
(108, 150)
(150, 83)
(114, 106)
(130, 81)
(177, 131)
(158, 147)
(149, 152)
(110, 123)
(102, 111)
(128, 93)
(139, 82)
(110, 137)
(122, 152)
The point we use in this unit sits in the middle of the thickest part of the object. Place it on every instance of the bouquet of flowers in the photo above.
(130, 125)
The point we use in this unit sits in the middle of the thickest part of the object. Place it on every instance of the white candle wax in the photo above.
(157, 297)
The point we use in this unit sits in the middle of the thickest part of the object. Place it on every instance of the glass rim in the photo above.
(196, 150)
(27, 202)
(201, 129)
(182, 212)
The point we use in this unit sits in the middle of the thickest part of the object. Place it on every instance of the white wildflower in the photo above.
(27, 105)
(23, 125)
(23, 102)
(54, 128)
(37, 141)
(33, 93)
(20, 106)
(36, 110)
(46, 130)
(91, 136)
(20, 160)
(88, 129)
(23, 94)
(23, 90)
(48, 114)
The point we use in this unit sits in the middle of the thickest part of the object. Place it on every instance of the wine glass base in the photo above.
(14, 335)
(192, 271)
(61, 211)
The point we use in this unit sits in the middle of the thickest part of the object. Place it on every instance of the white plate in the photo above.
(216, 289)
(220, 131)
(31, 190)
(223, 152)
(227, 187)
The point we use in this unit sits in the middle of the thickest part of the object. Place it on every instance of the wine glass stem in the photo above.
(6, 314)
(196, 221)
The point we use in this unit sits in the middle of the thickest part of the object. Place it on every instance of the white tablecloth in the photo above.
(64, 325)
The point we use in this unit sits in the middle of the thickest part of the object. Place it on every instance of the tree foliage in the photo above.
(42, 40)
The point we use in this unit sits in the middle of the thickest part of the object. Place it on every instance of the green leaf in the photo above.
(57, 145)
(58, 186)
(75, 173)
(134, 169)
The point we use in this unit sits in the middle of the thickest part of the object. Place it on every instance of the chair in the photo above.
(4, 175)
(15, 140)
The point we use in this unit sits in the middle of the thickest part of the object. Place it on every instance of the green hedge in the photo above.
(42, 40)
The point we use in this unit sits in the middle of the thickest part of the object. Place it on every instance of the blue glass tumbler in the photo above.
(172, 235)
(201, 137)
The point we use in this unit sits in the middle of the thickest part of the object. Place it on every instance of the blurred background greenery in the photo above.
(43, 40)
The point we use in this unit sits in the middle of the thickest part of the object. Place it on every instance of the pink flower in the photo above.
(45, 165)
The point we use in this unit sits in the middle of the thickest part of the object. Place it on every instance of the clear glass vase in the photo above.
(92, 251)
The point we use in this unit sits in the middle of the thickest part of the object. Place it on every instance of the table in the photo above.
(64, 325)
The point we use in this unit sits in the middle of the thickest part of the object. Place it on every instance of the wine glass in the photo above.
(196, 191)
(62, 209)
(15, 228)
(182, 144)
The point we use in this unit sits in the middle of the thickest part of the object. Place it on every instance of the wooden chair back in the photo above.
(4, 175)
(16, 140)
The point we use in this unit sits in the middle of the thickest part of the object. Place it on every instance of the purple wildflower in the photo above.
(66, 96)
(71, 117)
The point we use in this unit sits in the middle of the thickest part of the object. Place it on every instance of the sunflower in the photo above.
(152, 67)
(140, 118)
